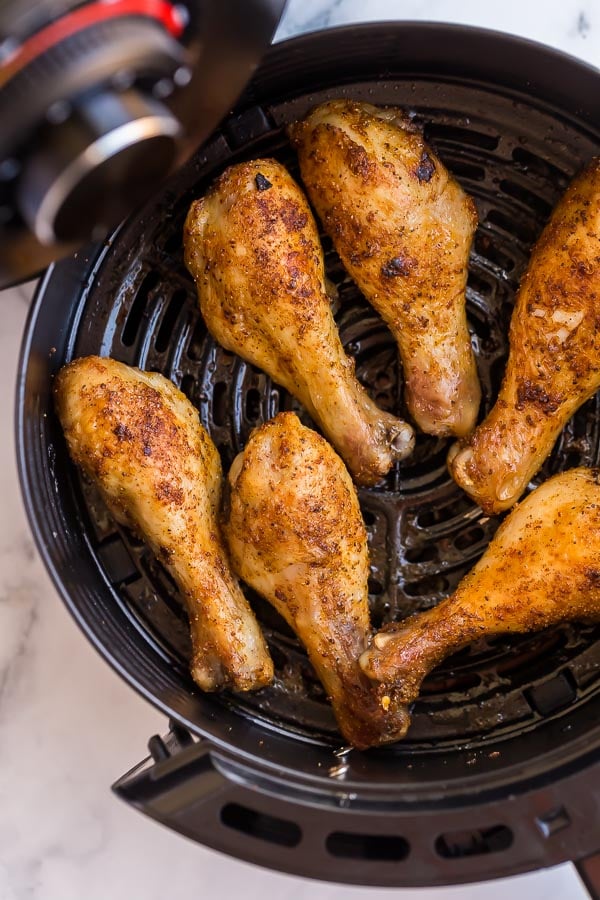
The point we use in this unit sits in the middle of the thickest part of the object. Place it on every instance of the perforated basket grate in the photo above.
(515, 159)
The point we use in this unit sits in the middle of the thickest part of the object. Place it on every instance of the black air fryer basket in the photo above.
(500, 772)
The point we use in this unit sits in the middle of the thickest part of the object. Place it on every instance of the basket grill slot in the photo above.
(220, 411)
(188, 386)
(538, 205)
(466, 170)
(439, 132)
(523, 229)
(434, 584)
(488, 246)
(532, 164)
(421, 554)
(375, 587)
(444, 513)
(253, 404)
(196, 345)
(138, 308)
(470, 537)
(169, 320)
(118, 561)
(480, 286)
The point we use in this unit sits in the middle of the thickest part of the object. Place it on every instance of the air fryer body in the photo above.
(500, 771)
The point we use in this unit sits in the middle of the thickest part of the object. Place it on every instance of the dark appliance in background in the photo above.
(500, 772)
(99, 100)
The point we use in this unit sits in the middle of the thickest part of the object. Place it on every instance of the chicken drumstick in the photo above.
(296, 535)
(403, 229)
(554, 360)
(541, 568)
(253, 249)
(139, 439)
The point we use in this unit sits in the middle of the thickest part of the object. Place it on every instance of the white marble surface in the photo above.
(68, 726)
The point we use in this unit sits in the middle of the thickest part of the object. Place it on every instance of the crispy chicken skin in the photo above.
(140, 440)
(253, 249)
(296, 535)
(403, 228)
(541, 568)
(554, 360)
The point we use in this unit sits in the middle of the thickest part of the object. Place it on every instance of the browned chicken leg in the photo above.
(554, 360)
(403, 229)
(139, 439)
(542, 568)
(253, 248)
(296, 535)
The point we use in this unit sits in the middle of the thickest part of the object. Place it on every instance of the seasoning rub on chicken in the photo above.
(403, 229)
(296, 535)
(253, 249)
(554, 358)
(542, 568)
(140, 440)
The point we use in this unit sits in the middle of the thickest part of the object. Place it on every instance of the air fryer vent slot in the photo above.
(117, 560)
(533, 165)
(522, 229)
(539, 206)
(261, 825)
(458, 844)
(171, 314)
(382, 847)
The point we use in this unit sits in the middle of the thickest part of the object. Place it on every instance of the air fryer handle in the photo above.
(589, 872)
(179, 785)
(189, 787)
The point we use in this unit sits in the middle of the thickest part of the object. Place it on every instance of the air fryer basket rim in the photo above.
(530, 67)
(77, 275)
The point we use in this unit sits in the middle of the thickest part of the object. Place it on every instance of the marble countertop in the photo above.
(69, 726)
